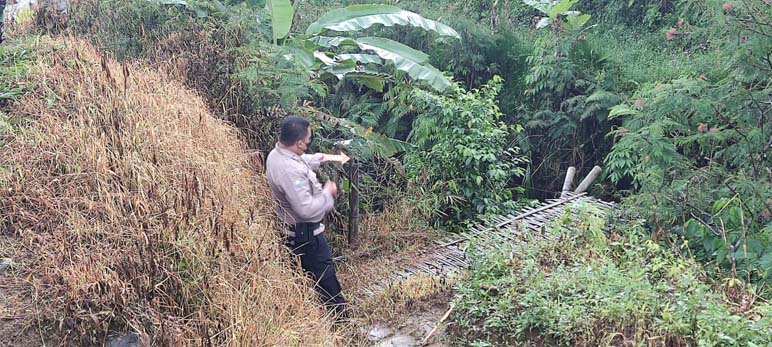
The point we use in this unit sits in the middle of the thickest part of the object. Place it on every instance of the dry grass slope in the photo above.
(129, 206)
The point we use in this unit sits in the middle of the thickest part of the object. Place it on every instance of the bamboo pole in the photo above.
(353, 204)
(587, 181)
(437, 326)
(569, 181)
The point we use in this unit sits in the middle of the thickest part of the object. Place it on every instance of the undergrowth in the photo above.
(577, 287)
(15, 59)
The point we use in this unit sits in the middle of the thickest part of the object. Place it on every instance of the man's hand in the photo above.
(340, 158)
(331, 188)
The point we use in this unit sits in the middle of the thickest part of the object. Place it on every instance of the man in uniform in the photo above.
(301, 203)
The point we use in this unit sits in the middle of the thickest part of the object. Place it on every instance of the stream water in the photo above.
(409, 332)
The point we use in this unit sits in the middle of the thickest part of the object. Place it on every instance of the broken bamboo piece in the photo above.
(437, 326)
(353, 203)
(587, 181)
(568, 181)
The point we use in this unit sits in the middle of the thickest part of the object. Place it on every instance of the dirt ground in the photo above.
(16, 302)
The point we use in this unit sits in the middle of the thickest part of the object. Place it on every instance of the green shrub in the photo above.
(575, 287)
(689, 143)
(15, 58)
(464, 151)
(695, 149)
(650, 14)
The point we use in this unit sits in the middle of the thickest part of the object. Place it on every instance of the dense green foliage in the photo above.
(364, 58)
(569, 90)
(673, 98)
(696, 149)
(574, 287)
(14, 66)
(464, 152)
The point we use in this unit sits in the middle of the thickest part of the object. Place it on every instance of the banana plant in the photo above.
(371, 60)
(327, 52)
(323, 50)
(281, 12)
(556, 8)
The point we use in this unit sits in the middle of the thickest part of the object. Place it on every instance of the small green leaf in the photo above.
(390, 49)
(360, 58)
(543, 22)
(561, 8)
(577, 21)
(373, 82)
(621, 110)
(324, 58)
(326, 41)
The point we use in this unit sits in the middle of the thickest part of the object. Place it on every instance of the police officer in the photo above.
(301, 203)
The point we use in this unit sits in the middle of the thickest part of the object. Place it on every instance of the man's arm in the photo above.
(338, 158)
(313, 160)
(316, 159)
(307, 206)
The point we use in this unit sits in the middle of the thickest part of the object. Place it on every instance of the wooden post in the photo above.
(353, 203)
(594, 173)
(569, 181)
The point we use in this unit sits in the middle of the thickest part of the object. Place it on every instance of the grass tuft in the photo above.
(129, 207)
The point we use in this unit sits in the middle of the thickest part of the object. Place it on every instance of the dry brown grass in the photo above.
(418, 293)
(399, 230)
(395, 304)
(389, 240)
(130, 207)
(206, 54)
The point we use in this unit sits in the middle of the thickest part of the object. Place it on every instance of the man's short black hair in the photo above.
(293, 129)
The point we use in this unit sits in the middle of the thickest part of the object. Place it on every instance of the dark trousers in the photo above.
(316, 261)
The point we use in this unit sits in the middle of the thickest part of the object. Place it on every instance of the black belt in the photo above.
(304, 232)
